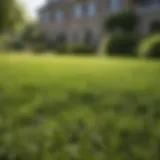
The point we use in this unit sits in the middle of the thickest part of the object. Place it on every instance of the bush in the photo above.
(18, 45)
(2, 45)
(125, 21)
(122, 44)
(61, 48)
(5, 42)
(155, 27)
(150, 47)
(76, 49)
(39, 47)
(82, 49)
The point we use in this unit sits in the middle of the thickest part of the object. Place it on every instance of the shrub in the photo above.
(150, 47)
(60, 44)
(155, 27)
(125, 21)
(61, 48)
(2, 45)
(82, 49)
(5, 42)
(39, 47)
(76, 49)
(17, 45)
(122, 44)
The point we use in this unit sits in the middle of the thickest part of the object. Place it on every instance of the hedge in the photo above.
(122, 45)
(150, 46)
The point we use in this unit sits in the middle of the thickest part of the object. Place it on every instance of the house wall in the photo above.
(77, 26)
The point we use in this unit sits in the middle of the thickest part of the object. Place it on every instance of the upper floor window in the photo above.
(92, 9)
(44, 18)
(115, 5)
(52, 16)
(78, 10)
(59, 15)
(50, 1)
(149, 2)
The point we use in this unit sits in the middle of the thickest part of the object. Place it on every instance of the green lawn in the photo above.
(79, 108)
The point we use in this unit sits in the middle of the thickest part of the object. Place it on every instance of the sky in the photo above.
(31, 6)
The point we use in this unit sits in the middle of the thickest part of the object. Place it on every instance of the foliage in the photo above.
(39, 47)
(75, 49)
(82, 49)
(60, 44)
(122, 25)
(155, 27)
(5, 42)
(17, 45)
(150, 47)
(61, 48)
(122, 44)
(78, 108)
(125, 21)
(32, 36)
(11, 15)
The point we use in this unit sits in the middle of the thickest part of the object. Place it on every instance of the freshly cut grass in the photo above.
(79, 108)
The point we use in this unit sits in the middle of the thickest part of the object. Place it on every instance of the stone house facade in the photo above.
(74, 19)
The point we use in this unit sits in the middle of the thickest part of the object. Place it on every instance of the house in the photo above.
(81, 21)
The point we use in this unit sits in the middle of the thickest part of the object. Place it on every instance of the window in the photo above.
(149, 2)
(115, 5)
(78, 10)
(91, 9)
(59, 15)
(52, 17)
(45, 18)
(50, 1)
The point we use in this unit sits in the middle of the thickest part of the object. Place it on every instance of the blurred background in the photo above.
(80, 80)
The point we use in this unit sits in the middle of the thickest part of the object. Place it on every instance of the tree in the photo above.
(11, 15)
(125, 21)
(32, 34)
(32, 37)
(122, 26)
